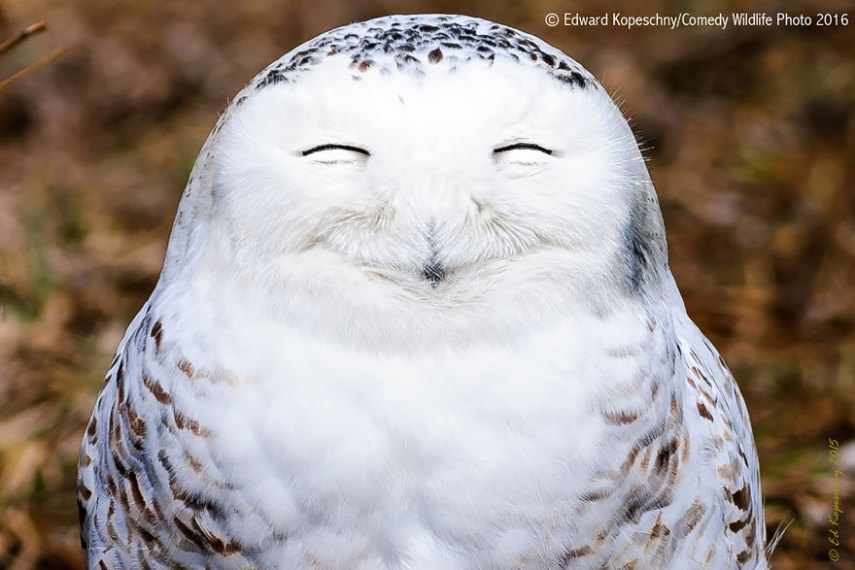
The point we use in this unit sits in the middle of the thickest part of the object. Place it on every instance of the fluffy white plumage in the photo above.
(416, 313)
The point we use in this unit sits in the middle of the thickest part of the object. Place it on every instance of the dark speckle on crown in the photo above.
(407, 43)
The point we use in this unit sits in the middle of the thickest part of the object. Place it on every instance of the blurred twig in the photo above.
(32, 67)
(27, 32)
(30, 30)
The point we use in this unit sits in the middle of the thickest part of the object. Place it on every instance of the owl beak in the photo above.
(434, 273)
(433, 269)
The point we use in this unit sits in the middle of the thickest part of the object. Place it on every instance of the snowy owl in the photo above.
(416, 313)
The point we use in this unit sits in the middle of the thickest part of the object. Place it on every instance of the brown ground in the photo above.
(750, 135)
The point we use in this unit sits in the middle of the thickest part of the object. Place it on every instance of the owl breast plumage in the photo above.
(416, 313)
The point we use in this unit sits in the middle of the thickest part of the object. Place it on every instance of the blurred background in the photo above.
(749, 133)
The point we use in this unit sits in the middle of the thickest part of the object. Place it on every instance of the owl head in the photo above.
(425, 168)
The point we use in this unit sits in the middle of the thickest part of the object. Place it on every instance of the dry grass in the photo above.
(750, 134)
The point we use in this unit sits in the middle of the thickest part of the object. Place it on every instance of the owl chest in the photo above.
(320, 430)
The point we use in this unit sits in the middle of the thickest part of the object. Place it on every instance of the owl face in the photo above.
(391, 184)
(425, 176)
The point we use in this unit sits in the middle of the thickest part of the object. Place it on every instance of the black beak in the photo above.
(433, 269)
(433, 272)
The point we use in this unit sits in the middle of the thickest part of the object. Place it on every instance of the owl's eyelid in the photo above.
(522, 146)
(333, 146)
